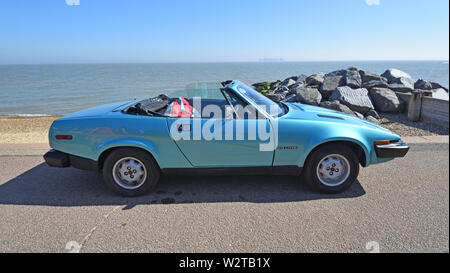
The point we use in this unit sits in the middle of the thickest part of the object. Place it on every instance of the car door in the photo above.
(223, 141)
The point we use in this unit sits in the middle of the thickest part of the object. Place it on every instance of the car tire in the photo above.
(331, 169)
(131, 172)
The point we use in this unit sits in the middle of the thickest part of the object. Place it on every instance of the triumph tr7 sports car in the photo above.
(132, 143)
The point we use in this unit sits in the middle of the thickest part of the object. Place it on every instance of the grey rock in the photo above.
(398, 87)
(375, 83)
(309, 95)
(341, 72)
(329, 84)
(408, 83)
(437, 86)
(423, 85)
(359, 115)
(299, 78)
(353, 79)
(275, 85)
(288, 82)
(386, 100)
(440, 93)
(337, 106)
(302, 78)
(374, 114)
(293, 88)
(281, 89)
(372, 119)
(427, 85)
(276, 97)
(368, 76)
(356, 99)
(291, 98)
(316, 79)
(392, 74)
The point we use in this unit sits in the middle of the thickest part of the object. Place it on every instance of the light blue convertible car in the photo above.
(218, 129)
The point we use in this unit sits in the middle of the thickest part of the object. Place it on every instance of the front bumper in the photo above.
(392, 150)
(61, 160)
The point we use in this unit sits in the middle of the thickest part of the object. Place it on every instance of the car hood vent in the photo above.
(327, 116)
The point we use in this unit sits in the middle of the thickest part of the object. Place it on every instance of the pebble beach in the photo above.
(22, 130)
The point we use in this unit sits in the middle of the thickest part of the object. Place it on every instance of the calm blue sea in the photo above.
(60, 89)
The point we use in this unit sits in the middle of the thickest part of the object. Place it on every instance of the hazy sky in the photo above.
(214, 30)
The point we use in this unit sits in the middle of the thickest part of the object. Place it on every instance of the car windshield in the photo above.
(203, 90)
(269, 106)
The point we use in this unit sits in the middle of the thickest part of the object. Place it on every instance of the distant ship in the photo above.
(271, 60)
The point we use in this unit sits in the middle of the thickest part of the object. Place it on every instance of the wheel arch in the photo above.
(357, 147)
(106, 149)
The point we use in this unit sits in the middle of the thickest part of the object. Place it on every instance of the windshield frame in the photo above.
(244, 95)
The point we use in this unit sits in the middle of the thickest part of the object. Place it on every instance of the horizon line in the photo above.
(218, 62)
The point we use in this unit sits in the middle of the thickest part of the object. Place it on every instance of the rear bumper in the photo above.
(57, 159)
(392, 150)
(62, 160)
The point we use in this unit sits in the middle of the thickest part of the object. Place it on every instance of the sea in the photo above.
(40, 90)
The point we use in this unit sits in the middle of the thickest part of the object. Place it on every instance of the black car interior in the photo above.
(229, 106)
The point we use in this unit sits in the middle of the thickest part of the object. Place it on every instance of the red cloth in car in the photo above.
(180, 108)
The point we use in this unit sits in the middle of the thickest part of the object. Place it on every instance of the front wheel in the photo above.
(331, 169)
(130, 172)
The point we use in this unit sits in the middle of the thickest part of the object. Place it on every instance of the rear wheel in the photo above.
(331, 169)
(131, 172)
